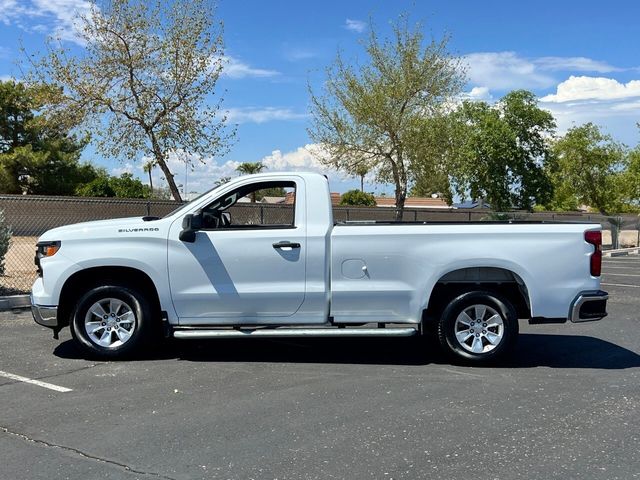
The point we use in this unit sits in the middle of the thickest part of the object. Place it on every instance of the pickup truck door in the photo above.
(249, 268)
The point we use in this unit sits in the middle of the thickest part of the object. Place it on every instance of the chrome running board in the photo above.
(199, 333)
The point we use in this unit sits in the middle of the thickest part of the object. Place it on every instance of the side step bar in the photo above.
(196, 333)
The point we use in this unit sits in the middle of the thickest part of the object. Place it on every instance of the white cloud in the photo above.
(593, 88)
(357, 26)
(262, 115)
(307, 159)
(201, 176)
(234, 68)
(504, 71)
(574, 64)
(58, 17)
(604, 101)
(295, 54)
(477, 93)
(126, 168)
(508, 70)
(619, 119)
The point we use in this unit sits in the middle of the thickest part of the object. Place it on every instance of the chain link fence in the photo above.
(25, 218)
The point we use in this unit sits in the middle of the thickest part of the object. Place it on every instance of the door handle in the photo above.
(285, 244)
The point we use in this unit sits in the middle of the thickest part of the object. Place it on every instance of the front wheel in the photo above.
(478, 327)
(112, 321)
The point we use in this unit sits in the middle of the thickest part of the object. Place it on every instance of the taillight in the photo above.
(595, 239)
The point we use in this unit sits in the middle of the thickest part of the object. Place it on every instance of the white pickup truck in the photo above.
(202, 273)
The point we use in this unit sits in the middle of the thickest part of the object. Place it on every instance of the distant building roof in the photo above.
(272, 200)
(414, 202)
(472, 204)
(335, 198)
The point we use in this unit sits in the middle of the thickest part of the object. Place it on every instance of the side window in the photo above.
(258, 205)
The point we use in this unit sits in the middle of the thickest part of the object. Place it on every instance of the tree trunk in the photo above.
(362, 183)
(400, 179)
(157, 153)
(401, 196)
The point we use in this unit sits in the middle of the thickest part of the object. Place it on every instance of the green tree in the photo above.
(142, 83)
(630, 180)
(358, 198)
(502, 151)
(588, 169)
(434, 151)
(98, 187)
(36, 155)
(124, 186)
(251, 168)
(370, 114)
(5, 241)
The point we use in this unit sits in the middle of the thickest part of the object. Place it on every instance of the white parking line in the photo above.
(623, 274)
(19, 378)
(620, 285)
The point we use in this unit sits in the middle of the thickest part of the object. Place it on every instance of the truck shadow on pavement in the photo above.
(532, 350)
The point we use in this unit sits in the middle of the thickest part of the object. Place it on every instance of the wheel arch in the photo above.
(498, 280)
(83, 280)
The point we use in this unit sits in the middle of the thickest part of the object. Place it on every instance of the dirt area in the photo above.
(20, 271)
(628, 238)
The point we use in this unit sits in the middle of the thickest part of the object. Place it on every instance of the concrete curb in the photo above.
(621, 252)
(14, 301)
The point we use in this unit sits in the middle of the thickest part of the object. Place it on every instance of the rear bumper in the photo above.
(589, 306)
(45, 316)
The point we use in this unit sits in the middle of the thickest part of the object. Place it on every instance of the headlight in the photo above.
(43, 250)
(47, 249)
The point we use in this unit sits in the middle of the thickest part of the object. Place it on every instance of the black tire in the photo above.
(496, 337)
(139, 322)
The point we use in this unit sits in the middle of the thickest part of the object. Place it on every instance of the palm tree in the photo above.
(148, 167)
(248, 168)
(361, 171)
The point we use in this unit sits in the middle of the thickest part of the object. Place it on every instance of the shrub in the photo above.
(358, 198)
(5, 240)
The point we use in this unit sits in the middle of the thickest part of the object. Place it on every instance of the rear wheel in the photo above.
(478, 327)
(112, 321)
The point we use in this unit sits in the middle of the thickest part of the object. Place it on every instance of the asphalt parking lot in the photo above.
(565, 406)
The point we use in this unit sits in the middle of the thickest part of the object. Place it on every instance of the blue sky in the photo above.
(580, 57)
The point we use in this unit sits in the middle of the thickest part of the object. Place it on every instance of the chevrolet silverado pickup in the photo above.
(204, 271)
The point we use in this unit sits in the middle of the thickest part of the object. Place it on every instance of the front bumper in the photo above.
(45, 316)
(589, 306)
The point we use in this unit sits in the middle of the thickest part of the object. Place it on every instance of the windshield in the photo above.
(185, 206)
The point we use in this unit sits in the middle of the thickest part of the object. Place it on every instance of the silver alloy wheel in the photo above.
(479, 328)
(109, 322)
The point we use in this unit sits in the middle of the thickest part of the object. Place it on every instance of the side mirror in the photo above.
(191, 223)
